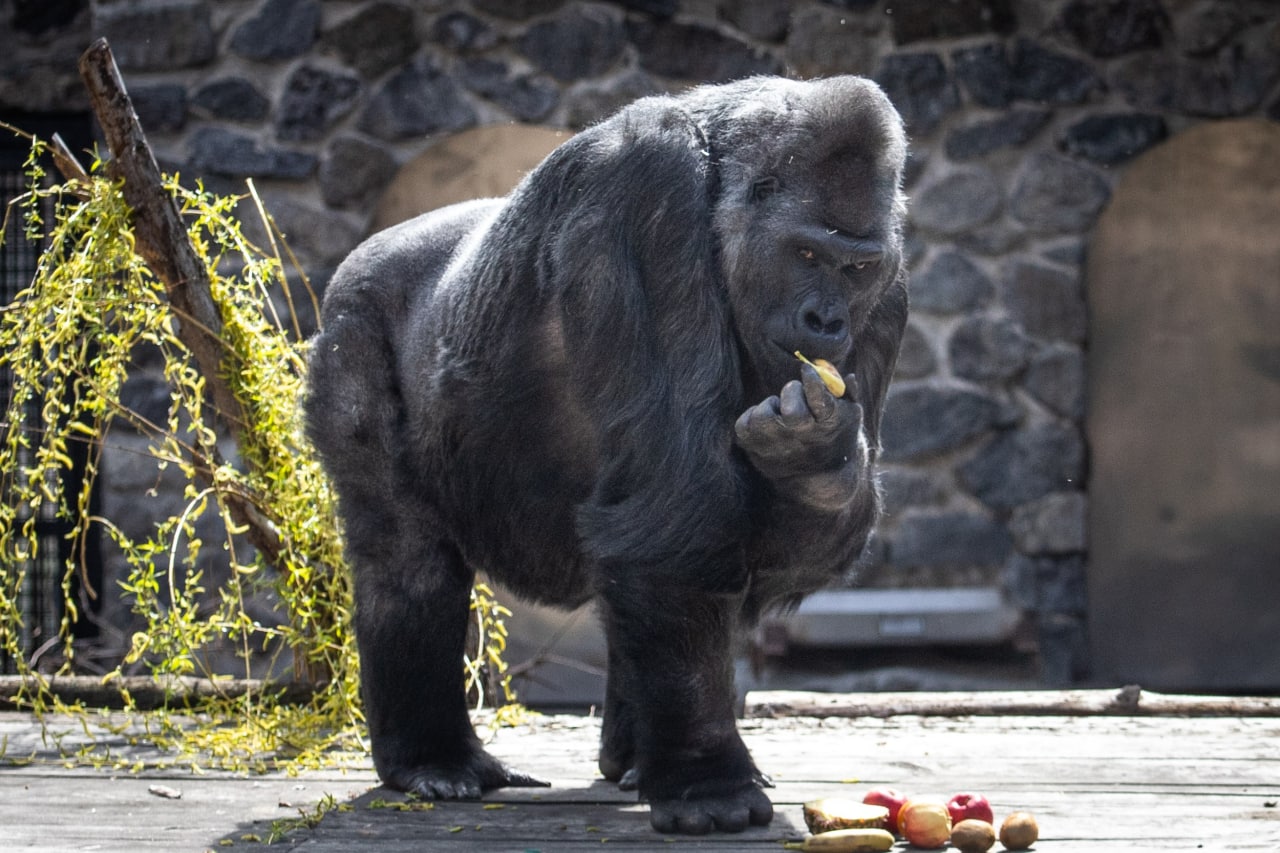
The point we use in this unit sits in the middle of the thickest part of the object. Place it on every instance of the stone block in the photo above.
(526, 97)
(417, 101)
(1021, 465)
(691, 52)
(313, 101)
(1054, 524)
(1047, 302)
(921, 20)
(923, 419)
(377, 37)
(1056, 195)
(1108, 28)
(280, 29)
(958, 202)
(218, 151)
(951, 284)
(157, 36)
(354, 172)
(231, 98)
(915, 356)
(986, 349)
(920, 87)
(582, 42)
(979, 138)
(948, 539)
(161, 107)
(1056, 377)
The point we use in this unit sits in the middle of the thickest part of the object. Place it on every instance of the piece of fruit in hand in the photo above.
(827, 372)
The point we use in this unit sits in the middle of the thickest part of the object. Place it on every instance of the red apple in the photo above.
(925, 824)
(891, 799)
(970, 807)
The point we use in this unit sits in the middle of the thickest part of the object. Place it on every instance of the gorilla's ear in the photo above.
(875, 353)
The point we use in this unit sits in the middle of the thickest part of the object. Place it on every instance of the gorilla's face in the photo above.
(811, 240)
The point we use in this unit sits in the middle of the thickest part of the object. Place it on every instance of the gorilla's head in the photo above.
(809, 216)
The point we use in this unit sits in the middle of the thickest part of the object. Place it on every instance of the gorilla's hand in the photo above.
(808, 443)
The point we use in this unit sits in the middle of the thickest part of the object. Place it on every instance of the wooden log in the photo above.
(161, 239)
(1130, 700)
(148, 692)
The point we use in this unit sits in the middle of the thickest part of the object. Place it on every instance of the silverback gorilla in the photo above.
(589, 389)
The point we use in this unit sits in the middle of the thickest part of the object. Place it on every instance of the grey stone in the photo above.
(1047, 302)
(1056, 195)
(983, 349)
(582, 42)
(1021, 465)
(691, 52)
(1107, 28)
(281, 29)
(161, 107)
(1113, 138)
(527, 98)
(986, 74)
(463, 33)
(590, 103)
(1064, 649)
(1048, 77)
(1054, 524)
(314, 99)
(353, 173)
(911, 487)
(921, 20)
(920, 87)
(766, 20)
(321, 237)
(157, 37)
(960, 201)
(417, 101)
(1056, 377)
(45, 16)
(1016, 127)
(231, 98)
(1202, 31)
(146, 395)
(992, 239)
(922, 420)
(377, 38)
(950, 285)
(948, 539)
(915, 357)
(517, 9)
(829, 41)
(224, 152)
(657, 8)
(1047, 584)
(1232, 82)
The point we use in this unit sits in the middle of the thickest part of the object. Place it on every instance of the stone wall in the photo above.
(1021, 115)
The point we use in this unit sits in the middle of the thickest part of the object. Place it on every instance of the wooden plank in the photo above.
(1127, 701)
(1141, 784)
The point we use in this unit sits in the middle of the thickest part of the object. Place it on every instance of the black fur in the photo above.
(588, 389)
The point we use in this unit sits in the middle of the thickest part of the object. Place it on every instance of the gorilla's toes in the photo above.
(699, 816)
(459, 780)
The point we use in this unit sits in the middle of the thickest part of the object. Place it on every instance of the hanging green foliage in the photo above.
(68, 341)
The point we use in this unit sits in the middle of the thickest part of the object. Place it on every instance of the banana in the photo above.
(845, 841)
(830, 376)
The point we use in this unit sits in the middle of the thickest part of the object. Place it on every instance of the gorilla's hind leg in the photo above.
(411, 623)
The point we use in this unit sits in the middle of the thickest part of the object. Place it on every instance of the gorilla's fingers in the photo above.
(821, 402)
(795, 408)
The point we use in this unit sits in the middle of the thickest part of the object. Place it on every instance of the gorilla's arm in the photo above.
(817, 455)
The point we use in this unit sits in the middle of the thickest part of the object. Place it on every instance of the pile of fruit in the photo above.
(965, 821)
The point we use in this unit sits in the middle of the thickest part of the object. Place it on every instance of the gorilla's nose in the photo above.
(823, 328)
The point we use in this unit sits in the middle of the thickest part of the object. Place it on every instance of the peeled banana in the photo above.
(845, 841)
(827, 371)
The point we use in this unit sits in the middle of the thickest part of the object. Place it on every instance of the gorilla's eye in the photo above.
(806, 253)
(764, 188)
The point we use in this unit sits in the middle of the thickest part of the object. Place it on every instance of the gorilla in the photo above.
(589, 389)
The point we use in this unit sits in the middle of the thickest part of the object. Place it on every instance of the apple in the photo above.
(925, 824)
(968, 806)
(891, 799)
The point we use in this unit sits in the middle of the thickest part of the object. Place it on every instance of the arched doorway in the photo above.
(1183, 284)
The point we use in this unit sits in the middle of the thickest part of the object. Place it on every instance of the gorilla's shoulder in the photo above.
(412, 253)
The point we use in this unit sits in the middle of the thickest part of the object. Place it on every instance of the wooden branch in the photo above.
(149, 693)
(161, 237)
(1127, 701)
(161, 240)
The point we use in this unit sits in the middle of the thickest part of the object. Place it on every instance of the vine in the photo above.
(68, 341)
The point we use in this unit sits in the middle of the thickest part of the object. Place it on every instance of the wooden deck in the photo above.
(1095, 782)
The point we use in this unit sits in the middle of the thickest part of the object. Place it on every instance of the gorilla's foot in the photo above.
(457, 779)
(726, 813)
